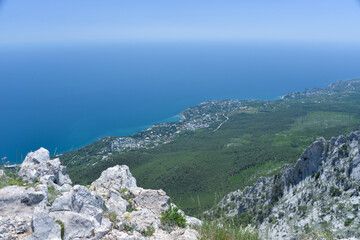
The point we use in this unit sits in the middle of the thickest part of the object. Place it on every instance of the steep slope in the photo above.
(318, 195)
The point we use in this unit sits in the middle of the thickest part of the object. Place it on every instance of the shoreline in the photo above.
(198, 117)
(175, 119)
(143, 128)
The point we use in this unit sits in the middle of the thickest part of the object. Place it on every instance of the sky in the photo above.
(39, 21)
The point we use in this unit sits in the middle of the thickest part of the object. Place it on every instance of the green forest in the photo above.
(200, 167)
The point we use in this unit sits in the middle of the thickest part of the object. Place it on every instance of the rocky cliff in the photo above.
(318, 196)
(44, 205)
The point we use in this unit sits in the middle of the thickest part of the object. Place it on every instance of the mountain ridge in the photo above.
(320, 193)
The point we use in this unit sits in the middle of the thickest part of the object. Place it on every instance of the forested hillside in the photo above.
(198, 167)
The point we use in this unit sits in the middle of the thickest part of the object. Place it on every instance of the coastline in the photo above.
(131, 131)
(201, 116)
(181, 117)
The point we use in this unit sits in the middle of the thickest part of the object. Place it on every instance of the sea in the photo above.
(65, 96)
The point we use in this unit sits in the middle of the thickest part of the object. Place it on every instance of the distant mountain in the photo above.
(318, 196)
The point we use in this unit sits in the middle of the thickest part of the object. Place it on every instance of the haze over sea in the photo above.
(66, 96)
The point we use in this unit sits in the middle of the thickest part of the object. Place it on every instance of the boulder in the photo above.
(44, 227)
(81, 211)
(33, 198)
(116, 178)
(104, 228)
(116, 203)
(155, 200)
(188, 234)
(142, 219)
(77, 226)
(37, 166)
(17, 205)
(110, 185)
(191, 221)
(80, 200)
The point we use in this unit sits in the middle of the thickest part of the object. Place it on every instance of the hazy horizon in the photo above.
(74, 71)
(41, 21)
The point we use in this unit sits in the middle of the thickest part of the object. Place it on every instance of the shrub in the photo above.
(348, 222)
(123, 190)
(129, 228)
(335, 192)
(277, 193)
(172, 217)
(112, 218)
(148, 232)
(243, 219)
(302, 209)
(130, 208)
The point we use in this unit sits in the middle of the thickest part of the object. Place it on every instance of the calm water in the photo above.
(64, 97)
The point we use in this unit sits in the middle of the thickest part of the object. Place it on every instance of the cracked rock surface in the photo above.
(113, 207)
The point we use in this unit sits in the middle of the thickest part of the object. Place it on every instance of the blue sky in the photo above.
(38, 21)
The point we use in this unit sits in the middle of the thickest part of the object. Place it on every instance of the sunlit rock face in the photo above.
(320, 193)
(46, 206)
(37, 167)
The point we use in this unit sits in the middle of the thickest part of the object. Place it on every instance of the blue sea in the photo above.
(65, 96)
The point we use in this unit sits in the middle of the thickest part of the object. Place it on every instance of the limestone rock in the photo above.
(44, 227)
(110, 185)
(118, 235)
(155, 200)
(188, 234)
(24, 213)
(116, 178)
(104, 228)
(178, 234)
(191, 221)
(77, 226)
(80, 200)
(17, 205)
(115, 203)
(81, 211)
(37, 166)
(318, 193)
(143, 219)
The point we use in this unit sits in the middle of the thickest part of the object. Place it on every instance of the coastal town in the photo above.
(194, 118)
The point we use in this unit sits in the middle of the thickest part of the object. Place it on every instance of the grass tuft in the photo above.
(148, 232)
(62, 228)
(52, 195)
(218, 230)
